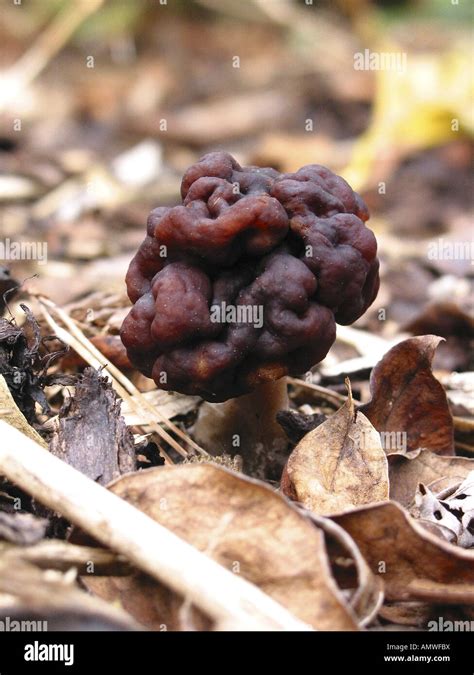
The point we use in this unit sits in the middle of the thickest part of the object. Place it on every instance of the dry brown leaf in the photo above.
(351, 571)
(55, 554)
(450, 320)
(435, 471)
(405, 554)
(152, 604)
(339, 465)
(27, 592)
(412, 613)
(408, 399)
(432, 591)
(242, 524)
(424, 615)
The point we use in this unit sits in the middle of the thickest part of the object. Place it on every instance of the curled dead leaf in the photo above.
(365, 589)
(405, 554)
(243, 525)
(409, 405)
(436, 471)
(339, 465)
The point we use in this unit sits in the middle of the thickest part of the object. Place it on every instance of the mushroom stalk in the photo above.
(247, 426)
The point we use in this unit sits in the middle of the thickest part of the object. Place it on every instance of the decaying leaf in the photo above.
(21, 528)
(408, 402)
(435, 471)
(413, 613)
(466, 537)
(243, 525)
(296, 424)
(27, 593)
(91, 434)
(426, 615)
(339, 465)
(405, 554)
(447, 512)
(363, 588)
(461, 505)
(25, 358)
(153, 605)
(463, 496)
(435, 591)
(8, 287)
(431, 510)
(55, 554)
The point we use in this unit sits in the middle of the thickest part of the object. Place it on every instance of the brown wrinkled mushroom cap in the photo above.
(292, 246)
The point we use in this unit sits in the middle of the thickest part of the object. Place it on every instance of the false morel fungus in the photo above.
(244, 282)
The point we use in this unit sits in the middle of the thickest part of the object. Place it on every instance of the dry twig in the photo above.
(147, 544)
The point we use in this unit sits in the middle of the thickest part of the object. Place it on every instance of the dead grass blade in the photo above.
(76, 339)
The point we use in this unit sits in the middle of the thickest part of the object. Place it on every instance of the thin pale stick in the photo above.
(63, 335)
(222, 595)
(117, 374)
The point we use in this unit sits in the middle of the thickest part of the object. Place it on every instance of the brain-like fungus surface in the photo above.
(245, 280)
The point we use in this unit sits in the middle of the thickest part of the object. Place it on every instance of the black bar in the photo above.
(387, 651)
